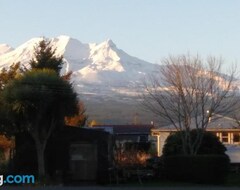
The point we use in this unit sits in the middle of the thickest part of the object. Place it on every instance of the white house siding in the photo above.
(160, 141)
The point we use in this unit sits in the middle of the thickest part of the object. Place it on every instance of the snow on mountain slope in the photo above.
(97, 68)
(4, 48)
(21, 54)
(111, 66)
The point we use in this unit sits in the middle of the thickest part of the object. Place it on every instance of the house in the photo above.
(125, 134)
(225, 128)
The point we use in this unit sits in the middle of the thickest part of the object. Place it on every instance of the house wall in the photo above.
(159, 141)
(229, 137)
(122, 139)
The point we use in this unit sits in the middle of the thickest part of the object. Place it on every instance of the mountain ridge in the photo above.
(91, 63)
(107, 79)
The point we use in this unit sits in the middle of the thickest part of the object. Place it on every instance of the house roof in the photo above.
(126, 129)
(217, 123)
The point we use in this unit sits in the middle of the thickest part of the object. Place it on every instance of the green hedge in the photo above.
(210, 143)
(211, 169)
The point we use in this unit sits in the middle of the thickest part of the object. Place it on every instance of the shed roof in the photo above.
(127, 129)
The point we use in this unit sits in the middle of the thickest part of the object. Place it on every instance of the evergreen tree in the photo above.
(44, 57)
(39, 101)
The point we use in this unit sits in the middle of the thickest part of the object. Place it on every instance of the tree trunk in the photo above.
(41, 162)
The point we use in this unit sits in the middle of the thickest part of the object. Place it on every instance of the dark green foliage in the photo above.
(40, 94)
(173, 145)
(7, 75)
(44, 57)
(157, 165)
(211, 169)
(210, 165)
(210, 144)
(6, 125)
(37, 102)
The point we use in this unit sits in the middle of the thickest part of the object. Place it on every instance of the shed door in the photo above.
(83, 161)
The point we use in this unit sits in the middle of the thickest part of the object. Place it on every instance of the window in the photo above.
(225, 137)
(236, 137)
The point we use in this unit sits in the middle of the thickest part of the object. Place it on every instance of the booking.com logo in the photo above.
(17, 179)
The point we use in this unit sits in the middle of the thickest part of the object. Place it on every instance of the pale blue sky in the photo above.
(148, 29)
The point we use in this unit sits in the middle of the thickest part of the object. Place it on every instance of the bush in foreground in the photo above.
(210, 144)
(209, 165)
(211, 169)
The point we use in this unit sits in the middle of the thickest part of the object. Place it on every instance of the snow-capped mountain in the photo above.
(97, 68)
(4, 48)
(106, 77)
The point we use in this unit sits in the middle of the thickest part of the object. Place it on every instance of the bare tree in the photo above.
(189, 92)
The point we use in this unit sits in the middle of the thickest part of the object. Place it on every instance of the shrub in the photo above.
(210, 144)
(156, 164)
(200, 169)
(131, 159)
(210, 165)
